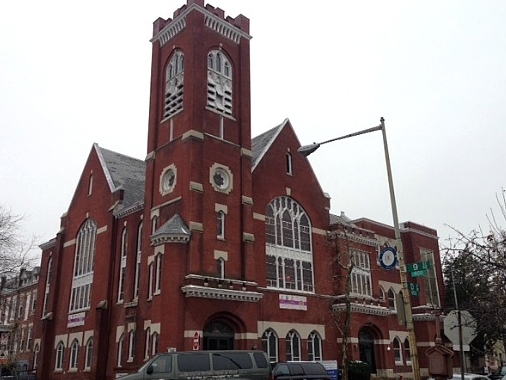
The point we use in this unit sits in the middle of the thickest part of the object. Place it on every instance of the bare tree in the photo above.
(343, 265)
(15, 252)
(478, 262)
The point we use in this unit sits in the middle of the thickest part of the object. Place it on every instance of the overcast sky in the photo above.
(74, 73)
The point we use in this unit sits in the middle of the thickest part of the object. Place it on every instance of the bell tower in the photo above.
(198, 163)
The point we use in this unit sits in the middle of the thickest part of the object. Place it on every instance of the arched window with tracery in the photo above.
(174, 84)
(288, 246)
(83, 266)
(314, 346)
(74, 354)
(89, 353)
(270, 345)
(391, 299)
(397, 351)
(407, 351)
(219, 82)
(60, 353)
(292, 346)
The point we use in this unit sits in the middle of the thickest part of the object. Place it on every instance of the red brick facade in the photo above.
(216, 240)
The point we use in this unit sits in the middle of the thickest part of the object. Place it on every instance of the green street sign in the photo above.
(418, 273)
(416, 267)
(414, 289)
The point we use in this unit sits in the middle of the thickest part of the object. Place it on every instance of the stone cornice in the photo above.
(130, 210)
(221, 294)
(363, 309)
(357, 239)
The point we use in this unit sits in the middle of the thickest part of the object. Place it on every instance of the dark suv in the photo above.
(300, 371)
(498, 374)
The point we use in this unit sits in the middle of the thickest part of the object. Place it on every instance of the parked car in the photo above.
(498, 374)
(300, 371)
(237, 365)
(467, 376)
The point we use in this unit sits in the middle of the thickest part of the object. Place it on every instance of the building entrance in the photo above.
(366, 344)
(218, 335)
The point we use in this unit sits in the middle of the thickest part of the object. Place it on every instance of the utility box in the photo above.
(440, 362)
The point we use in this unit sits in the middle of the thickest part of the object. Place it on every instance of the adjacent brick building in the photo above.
(18, 300)
(216, 240)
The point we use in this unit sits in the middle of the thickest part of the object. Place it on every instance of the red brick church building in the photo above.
(211, 242)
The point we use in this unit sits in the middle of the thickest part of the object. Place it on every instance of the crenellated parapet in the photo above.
(232, 28)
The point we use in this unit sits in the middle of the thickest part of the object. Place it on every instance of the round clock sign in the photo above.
(388, 258)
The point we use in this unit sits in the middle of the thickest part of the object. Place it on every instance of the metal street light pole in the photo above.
(306, 150)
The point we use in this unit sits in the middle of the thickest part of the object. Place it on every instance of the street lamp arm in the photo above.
(306, 150)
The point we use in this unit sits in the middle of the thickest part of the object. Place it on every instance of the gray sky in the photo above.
(74, 73)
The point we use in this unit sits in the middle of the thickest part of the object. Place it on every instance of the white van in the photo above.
(205, 365)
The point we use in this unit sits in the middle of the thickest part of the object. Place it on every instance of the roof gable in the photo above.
(123, 172)
(261, 144)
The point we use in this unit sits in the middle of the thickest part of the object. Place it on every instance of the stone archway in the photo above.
(218, 335)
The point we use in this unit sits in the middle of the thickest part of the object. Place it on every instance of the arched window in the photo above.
(289, 168)
(397, 351)
(158, 279)
(174, 84)
(270, 345)
(314, 346)
(220, 225)
(154, 343)
(138, 259)
(36, 351)
(123, 262)
(90, 184)
(89, 353)
(74, 354)
(83, 266)
(151, 279)
(131, 345)
(60, 351)
(120, 350)
(154, 224)
(391, 299)
(381, 294)
(219, 82)
(220, 266)
(147, 345)
(288, 246)
(292, 346)
(407, 351)
(48, 281)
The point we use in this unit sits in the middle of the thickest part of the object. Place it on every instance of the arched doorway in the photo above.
(366, 346)
(218, 335)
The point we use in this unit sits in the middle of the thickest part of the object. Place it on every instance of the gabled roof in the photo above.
(261, 144)
(128, 173)
(123, 172)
